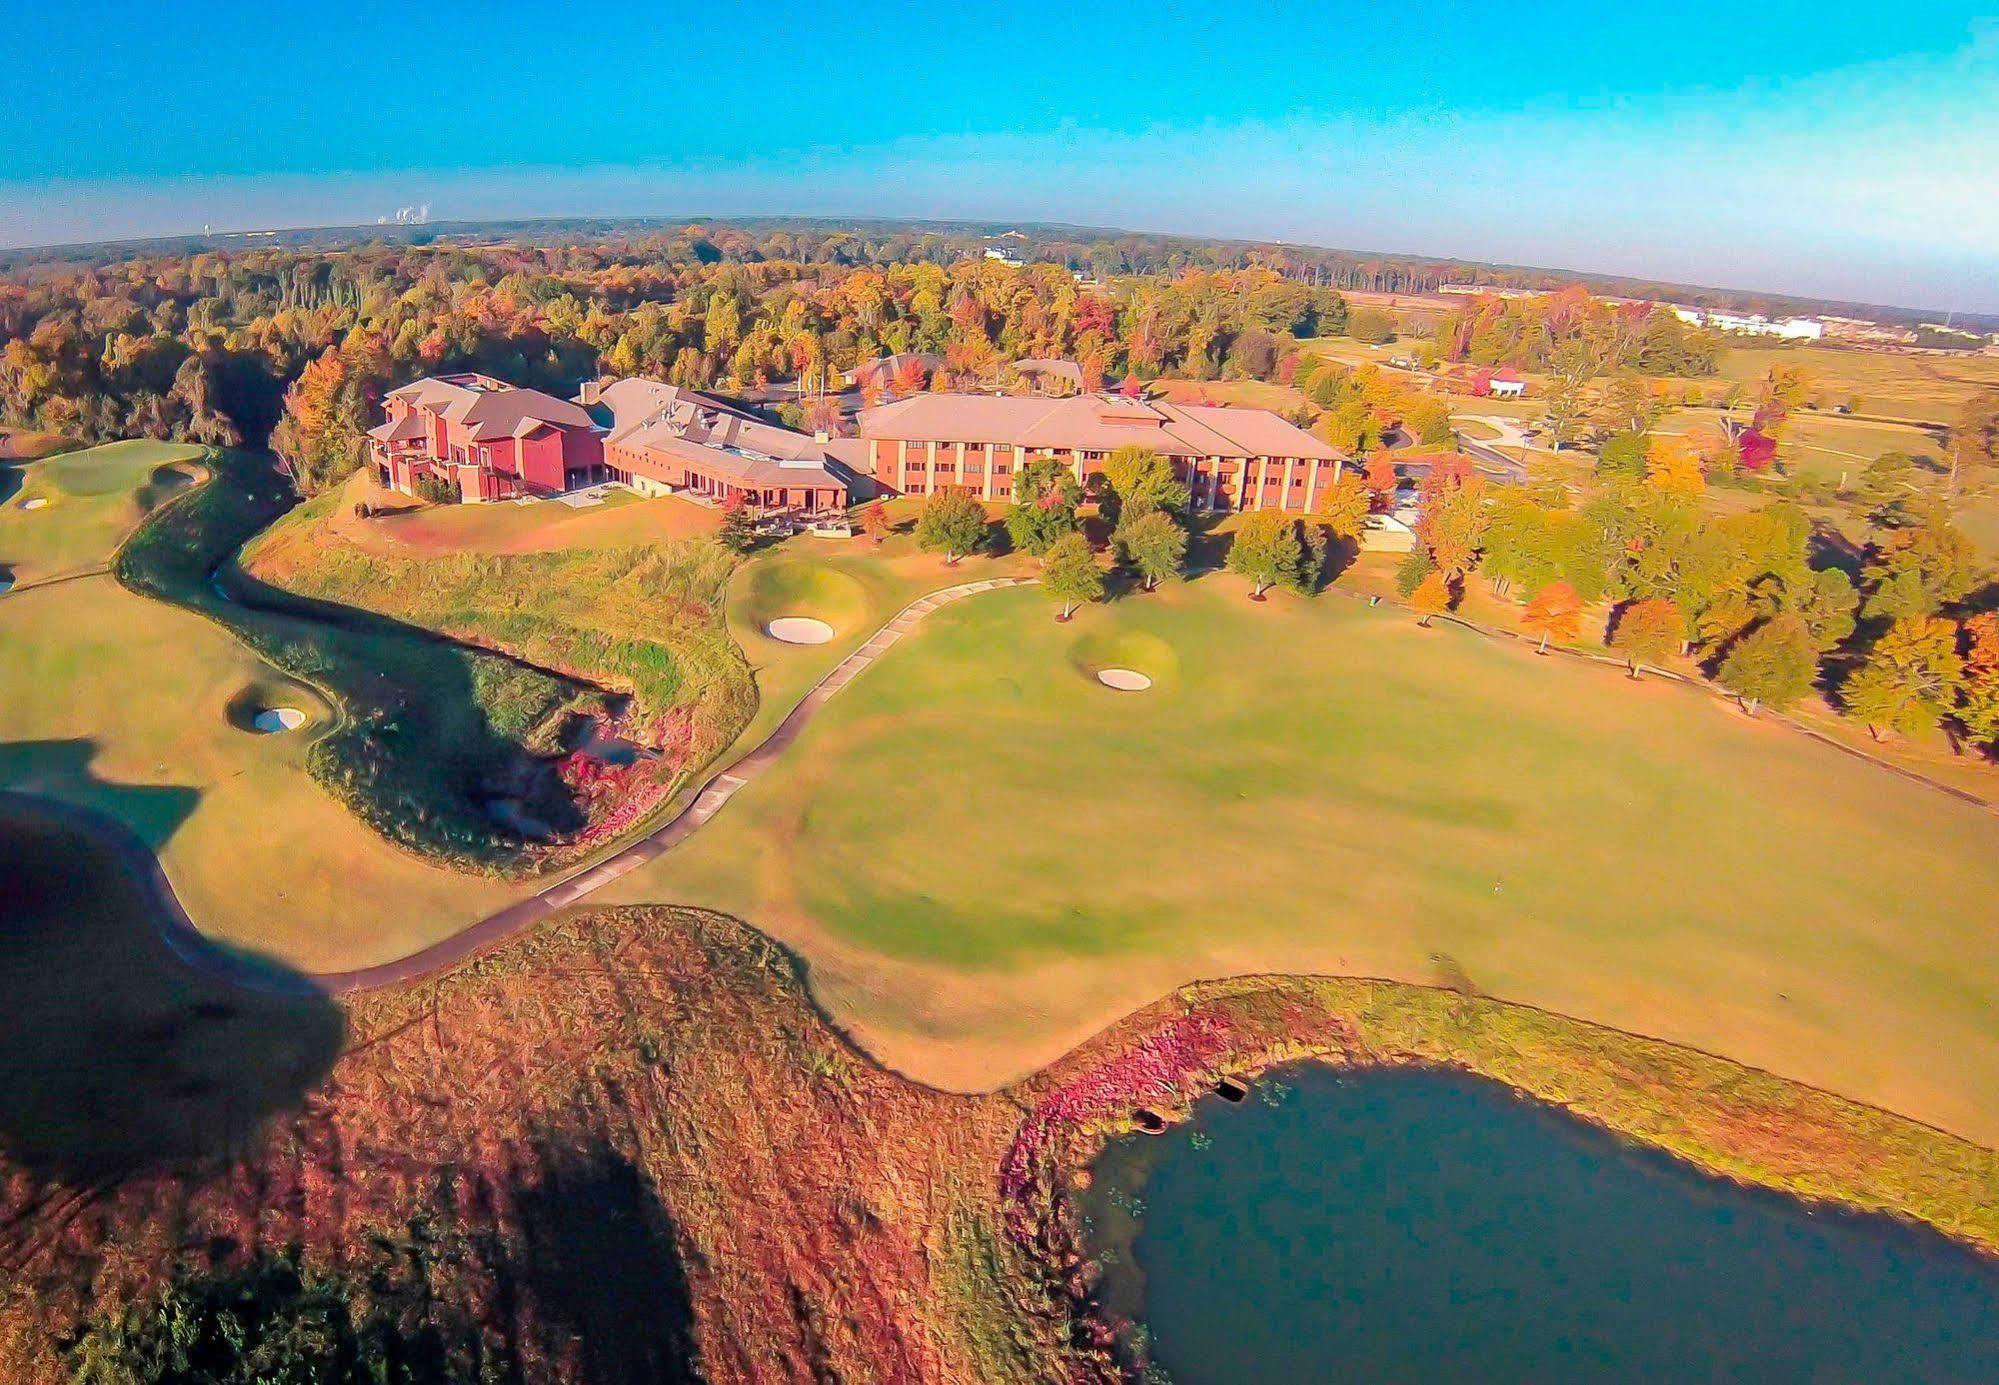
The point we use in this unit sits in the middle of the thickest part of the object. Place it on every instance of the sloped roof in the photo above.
(408, 428)
(675, 422)
(1094, 422)
(491, 408)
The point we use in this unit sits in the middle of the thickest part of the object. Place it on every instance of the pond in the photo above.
(1427, 1226)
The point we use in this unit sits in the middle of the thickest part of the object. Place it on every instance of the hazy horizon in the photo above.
(1795, 150)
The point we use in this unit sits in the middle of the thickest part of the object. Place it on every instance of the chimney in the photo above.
(592, 391)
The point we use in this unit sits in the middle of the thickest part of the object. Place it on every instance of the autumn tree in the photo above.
(1454, 516)
(1153, 544)
(1915, 570)
(1774, 663)
(1673, 467)
(1978, 698)
(320, 436)
(1649, 632)
(1554, 612)
(1266, 549)
(1344, 505)
(1910, 679)
(1382, 480)
(1432, 596)
(951, 522)
(1070, 574)
(874, 520)
(1045, 496)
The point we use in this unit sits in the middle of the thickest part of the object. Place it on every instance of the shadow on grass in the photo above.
(116, 1057)
(597, 1256)
(436, 733)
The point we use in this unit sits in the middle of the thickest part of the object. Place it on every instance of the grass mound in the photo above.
(430, 732)
(643, 621)
(781, 587)
(1137, 650)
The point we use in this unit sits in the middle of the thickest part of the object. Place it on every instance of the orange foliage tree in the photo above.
(1556, 613)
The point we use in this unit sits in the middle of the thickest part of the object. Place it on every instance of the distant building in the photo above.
(913, 368)
(1504, 384)
(1752, 324)
(1046, 376)
(1229, 458)
(488, 439)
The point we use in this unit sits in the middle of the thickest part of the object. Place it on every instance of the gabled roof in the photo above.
(408, 428)
(674, 422)
(491, 408)
(1094, 422)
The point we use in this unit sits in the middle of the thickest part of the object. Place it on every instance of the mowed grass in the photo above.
(403, 529)
(133, 707)
(984, 855)
(1919, 388)
(93, 498)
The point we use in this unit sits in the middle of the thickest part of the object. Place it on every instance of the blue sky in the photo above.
(1824, 148)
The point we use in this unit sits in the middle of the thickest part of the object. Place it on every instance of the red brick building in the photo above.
(1230, 458)
(490, 439)
(661, 439)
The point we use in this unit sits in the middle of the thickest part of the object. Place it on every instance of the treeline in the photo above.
(1901, 634)
(1569, 329)
(207, 347)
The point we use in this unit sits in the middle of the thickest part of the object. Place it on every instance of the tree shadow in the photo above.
(597, 1255)
(118, 1056)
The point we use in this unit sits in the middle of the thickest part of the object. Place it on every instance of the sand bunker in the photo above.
(36, 503)
(1123, 679)
(272, 720)
(799, 630)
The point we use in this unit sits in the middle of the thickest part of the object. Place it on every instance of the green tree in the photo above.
(1045, 496)
(1775, 663)
(1429, 419)
(738, 533)
(1266, 550)
(1624, 454)
(1916, 570)
(1910, 680)
(1137, 480)
(1070, 573)
(952, 523)
(1153, 544)
(1373, 325)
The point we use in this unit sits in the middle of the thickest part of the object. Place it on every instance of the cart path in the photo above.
(197, 950)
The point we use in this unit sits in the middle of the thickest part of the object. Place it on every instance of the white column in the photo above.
(1285, 502)
(961, 464)
(1214, 479)
(1077, 453)
(1312, 486)
(902, 466)
(931, 488)
(990, 454)
(1242, 484)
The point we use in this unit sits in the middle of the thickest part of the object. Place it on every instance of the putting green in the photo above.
(984, 856)
(72, 510)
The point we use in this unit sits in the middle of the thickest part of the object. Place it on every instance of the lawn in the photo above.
(92, 499)
(135, 707)
(400, 528)
(984, 855)
(1921, 389)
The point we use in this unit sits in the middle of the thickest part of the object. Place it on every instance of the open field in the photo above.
(1919, 388)
(984, 855)
(92, 500)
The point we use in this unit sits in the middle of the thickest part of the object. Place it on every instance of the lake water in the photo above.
(1419, 1226)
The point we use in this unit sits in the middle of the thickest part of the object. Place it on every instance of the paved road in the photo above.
(198, 951)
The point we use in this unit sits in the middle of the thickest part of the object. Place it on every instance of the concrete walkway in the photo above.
(197, 950)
